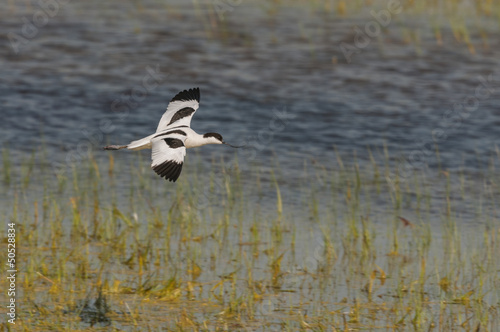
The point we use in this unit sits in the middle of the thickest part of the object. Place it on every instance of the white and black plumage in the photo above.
(173, 136)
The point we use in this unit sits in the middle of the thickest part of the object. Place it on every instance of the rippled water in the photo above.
(82, 67)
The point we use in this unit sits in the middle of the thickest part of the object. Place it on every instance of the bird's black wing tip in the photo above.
(191, 94)
(170, 170)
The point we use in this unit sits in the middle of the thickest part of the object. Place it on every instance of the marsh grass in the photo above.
(354, 247)
(6, 167)
(468, 23)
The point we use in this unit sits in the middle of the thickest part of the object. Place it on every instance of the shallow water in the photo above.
(82, 67)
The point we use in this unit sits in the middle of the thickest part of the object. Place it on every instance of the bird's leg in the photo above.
(115, 147)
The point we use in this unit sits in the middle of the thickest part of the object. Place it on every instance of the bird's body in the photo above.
(173, 136)
(193, 139)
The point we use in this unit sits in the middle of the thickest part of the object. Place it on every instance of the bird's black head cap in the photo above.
(217, 136)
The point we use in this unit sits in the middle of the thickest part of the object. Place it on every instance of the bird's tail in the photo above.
(143, 143)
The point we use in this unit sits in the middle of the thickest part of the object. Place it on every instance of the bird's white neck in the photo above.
(194, 140)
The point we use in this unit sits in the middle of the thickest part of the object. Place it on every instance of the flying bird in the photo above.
(173, 136)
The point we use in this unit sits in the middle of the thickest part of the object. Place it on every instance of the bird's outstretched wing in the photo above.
(180, 110)
(168, 153)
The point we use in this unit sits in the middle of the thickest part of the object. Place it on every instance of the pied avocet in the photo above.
(173, 136)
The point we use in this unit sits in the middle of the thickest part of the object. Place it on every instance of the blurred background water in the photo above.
(84, 69)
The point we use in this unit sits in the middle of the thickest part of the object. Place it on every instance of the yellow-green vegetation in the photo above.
(340, 246)
(469, 23)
